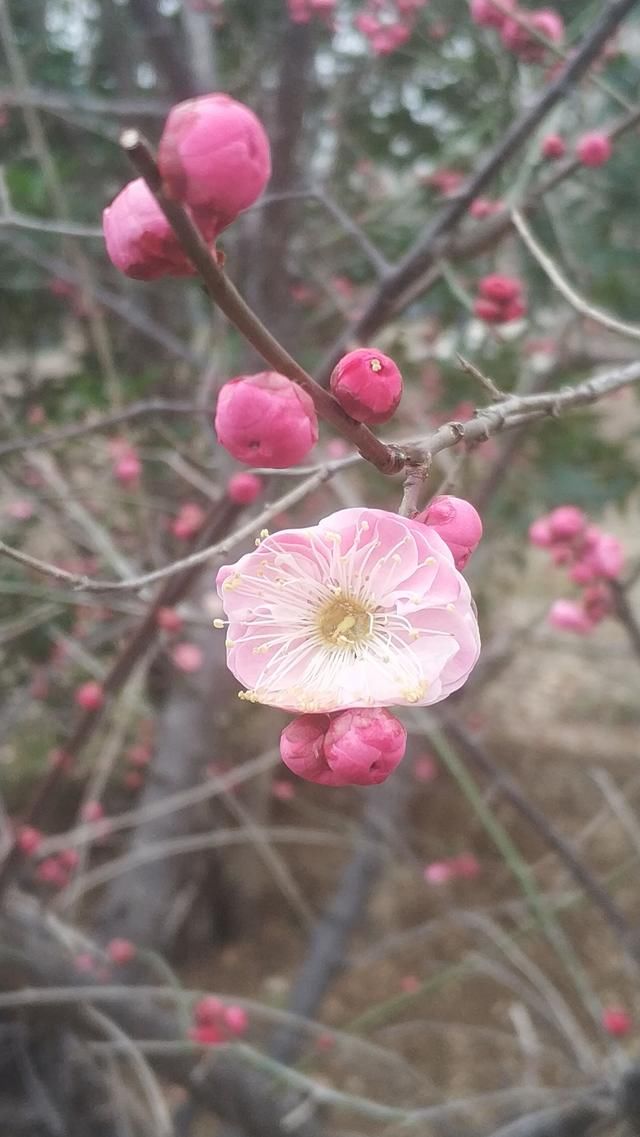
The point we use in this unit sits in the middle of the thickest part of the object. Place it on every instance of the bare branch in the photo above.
(555, 276)
(226, 296)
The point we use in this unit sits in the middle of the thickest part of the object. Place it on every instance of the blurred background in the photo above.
(457, 940)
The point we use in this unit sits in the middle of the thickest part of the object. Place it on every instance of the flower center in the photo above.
(343, 622)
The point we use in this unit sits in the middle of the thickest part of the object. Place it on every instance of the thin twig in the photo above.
(229, 300)
(555, 276)
(426, 252)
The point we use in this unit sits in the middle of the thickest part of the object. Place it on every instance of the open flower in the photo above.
(365, 609)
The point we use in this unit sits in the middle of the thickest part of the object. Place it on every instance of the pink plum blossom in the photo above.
(266, 420)
(366, 609)
(368, 385)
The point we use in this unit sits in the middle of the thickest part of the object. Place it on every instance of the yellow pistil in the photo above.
(344, 622)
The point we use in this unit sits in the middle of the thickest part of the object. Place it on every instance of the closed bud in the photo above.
(139, 239)
(457, 522)
(244, 488)
(594, 149)
(214, 155)
(368, 385)
(266, 420)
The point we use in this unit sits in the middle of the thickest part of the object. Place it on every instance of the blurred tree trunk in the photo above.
(267, 283)
(150, 904)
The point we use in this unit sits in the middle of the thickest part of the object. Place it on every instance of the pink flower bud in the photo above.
(359, 747)
(368, 385)
(51, 871)
(121, 951)
(487, 14)
(302, 748)
(457, 523)
(133, 780)
(69, 859)
(85, 962)
(488, 311)
(28, 840)
(616, 1021)
(243, 489)
(140, 755)
(594, 149)
(20, 510)
(128, 469)
(570, 617)
(425, 768)
(465, 865)
(438, 872)
(206, 1035)
(187, 657)
(516, 35)
(410, 984)
(214, 154)
(169, 620)
(582, 572)
(554, 146)
(283, 790)
(540, 533)
(566, 522)
(607, 557)
(139, 239)
(189, 521)
(92, 811)
(89, 696)
(208, 1010)
(597, 602)
(236, 1020)
(266, 420)
(363, 746)
(483, 207)
(500, 288)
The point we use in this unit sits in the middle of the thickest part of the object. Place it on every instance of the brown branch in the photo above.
(508, 787)
(508, 414)
(58, 101)
(220, 517)
(123, 307)
(53, 438)
(229, 300)
(86, 584)
(430, 248)
(626, 615)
